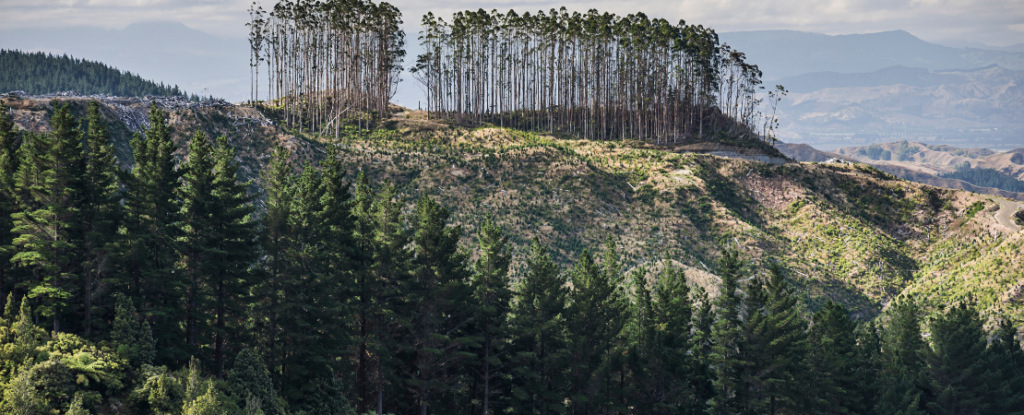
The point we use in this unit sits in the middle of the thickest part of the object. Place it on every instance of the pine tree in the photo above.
(1008, 360)
(727, 357)
(834, 362)
(642, 354)
(277, 242)
(367, 289)
(47, 227)
(492, 293)
(313, 319)
(673, 314)
(869, 369)
(236, 245)
(538, 323)
(250, 378)
(901, 361)
(439, 305)
(960, 376)
(387, 285)
(701, 348)
(775, 345)
(596, 317)
(100, 211)
(152, 212)
(200, 236)
(10, 142)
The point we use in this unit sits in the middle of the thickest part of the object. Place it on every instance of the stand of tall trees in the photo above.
(593, 75)
(327, 62)
(160, 290)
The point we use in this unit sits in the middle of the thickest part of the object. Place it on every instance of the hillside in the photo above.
(938, 159)
(934, 165)
(42, 73)
(845, 232)
(170, 52)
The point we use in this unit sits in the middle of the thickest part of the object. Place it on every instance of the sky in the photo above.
(73, 27)
(992, 22)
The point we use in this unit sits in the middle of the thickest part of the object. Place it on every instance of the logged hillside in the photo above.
(845, 232)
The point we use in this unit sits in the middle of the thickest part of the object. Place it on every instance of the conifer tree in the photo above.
(200, 236)
(596, 317)
(367, 288)
(701, 348)
(439, 304)
(277, 240)
(387, 286)
(236, 245)
(960, 376)
(869, 370)
(673, 314)
(48, 224)
(100, 211)
(249, 378)
(727, 357)
(775, 345)
(492, 293)
(538, 323)
(641, 351)
(152, 212)
(134, 338)
(10, 142)
(834, 362)
(901, 361)
(1008, 359)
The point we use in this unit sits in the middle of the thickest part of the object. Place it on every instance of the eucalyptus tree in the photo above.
(594, 75)
(328, 62)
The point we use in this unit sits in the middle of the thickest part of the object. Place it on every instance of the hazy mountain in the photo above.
(166, 52)
(784, 53)
(895, 75)
(983, 107)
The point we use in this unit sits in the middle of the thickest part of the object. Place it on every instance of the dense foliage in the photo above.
(327, 61)
(985, 178)
(592, 75)
(42, 73)
(164, 294)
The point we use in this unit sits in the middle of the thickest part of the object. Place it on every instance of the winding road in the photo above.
(1005, 214)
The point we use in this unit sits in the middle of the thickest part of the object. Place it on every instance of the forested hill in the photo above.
(40, 73)
(428, 268)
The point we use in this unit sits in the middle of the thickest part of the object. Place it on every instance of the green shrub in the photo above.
(973, 209)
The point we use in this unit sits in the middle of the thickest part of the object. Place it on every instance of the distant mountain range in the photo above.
(785, 53)
(888, 86)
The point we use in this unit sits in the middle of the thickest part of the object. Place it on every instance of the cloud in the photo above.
(998, 22)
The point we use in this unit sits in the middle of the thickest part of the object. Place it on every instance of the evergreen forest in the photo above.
(162, 290)
(39, 73)
(985, 178)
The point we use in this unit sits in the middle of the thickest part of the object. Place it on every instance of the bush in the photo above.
(973, 209)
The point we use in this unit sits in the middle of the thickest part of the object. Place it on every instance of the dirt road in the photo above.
(1005, 214)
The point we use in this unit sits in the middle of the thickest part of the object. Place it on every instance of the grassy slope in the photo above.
(849, 233)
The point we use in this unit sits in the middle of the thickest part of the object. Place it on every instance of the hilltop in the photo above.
(845, 231)
(43, 73)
